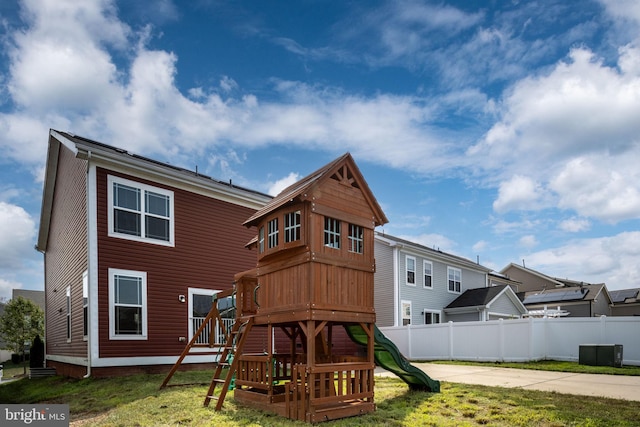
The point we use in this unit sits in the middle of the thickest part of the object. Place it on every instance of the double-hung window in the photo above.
(428, 274)
(356, 238)
(411, 270)
(127, 304)
(140, 212)
(332, 232)
(455, 277)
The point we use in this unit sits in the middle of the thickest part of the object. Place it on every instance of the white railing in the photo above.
(517, 340)
(219, 337)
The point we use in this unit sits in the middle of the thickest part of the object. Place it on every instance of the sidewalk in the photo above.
(613, 386)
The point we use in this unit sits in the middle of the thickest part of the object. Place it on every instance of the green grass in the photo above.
(12, 370)
(137, 401)
(553, 365)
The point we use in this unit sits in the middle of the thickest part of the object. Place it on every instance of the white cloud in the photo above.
(612, 260)
(6, 289)
(519, 193)
(603, 187)
(276, 187)
(623, 9)
(480, 246)
(17, 234)
(528, 241)
(577, 122)
(574, 225)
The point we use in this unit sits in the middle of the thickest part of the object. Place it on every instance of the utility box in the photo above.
(601, 355)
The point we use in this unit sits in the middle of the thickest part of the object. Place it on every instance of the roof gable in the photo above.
(532, 272)
(483, 298)
(113, 157)
(477, 297)
(343, 169)
(432, 254)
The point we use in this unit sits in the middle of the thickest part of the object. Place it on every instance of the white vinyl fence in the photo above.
(518, 340)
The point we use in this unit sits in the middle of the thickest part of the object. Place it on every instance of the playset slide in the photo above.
(388, 356)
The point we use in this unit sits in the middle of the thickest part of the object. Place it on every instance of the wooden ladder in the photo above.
(235, 343)
(212, 317)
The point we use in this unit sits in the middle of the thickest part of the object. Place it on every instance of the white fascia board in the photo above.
(125, 163)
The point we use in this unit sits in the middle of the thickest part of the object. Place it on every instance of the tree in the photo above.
(21, 321)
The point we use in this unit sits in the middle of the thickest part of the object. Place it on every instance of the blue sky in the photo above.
(507, 131)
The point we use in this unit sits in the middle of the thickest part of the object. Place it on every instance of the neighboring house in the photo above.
(4, 354)
(497, 279)
(481, 304)
(559, 297)
(413, 283)
(530, 280)
(36, 297)
(626, 302)
(576, 301)
(133, 249)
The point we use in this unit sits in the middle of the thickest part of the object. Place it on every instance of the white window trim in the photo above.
(406, 270)
(112, 321)
(402, 317)
(427, 311)
(196, 291)
(114, 179)
(458, 270)
(424, 282)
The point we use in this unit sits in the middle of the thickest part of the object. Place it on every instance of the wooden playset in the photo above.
(313, 280)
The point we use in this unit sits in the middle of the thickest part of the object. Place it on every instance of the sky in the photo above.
(499, 131)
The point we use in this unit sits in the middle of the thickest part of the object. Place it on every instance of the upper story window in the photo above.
(356, 238)
(411, 270)
(140, 212)
(428, 274)
(272, 233)
(291, 226)
(332, 233)
(455, 277)
(127, 304)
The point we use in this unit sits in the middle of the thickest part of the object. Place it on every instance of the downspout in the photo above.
(396, 285)
(88, 320)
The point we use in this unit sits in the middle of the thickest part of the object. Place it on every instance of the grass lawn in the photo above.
(137, 401)
(553, 365)
(12, 370)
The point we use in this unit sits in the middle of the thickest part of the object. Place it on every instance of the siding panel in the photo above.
(209, 250)
(66, 257)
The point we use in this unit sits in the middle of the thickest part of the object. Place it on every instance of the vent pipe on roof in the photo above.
(523, 263)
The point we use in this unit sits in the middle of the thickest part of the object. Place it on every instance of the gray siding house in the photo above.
(414, 283)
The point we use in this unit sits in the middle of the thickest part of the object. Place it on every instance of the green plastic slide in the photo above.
(388, 356)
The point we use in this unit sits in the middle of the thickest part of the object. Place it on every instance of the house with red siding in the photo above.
(133, 249)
